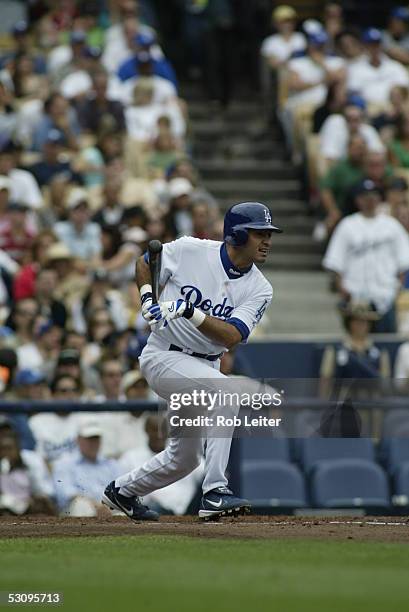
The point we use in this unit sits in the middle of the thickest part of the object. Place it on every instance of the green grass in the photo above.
(153, 573)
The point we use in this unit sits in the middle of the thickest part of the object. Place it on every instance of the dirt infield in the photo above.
(377, 529)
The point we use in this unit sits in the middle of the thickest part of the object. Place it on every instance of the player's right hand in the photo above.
(146, 305)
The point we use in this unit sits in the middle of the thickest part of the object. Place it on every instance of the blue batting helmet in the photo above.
(244, 216)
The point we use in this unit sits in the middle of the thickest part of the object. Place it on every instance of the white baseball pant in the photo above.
(167, 372)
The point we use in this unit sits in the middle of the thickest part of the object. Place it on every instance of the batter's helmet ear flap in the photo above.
(240, 237)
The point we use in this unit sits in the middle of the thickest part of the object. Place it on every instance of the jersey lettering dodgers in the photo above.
(194, 270)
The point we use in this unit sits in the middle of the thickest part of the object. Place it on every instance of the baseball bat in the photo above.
(155, 259)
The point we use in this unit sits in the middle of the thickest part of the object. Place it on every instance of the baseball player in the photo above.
(213, 296)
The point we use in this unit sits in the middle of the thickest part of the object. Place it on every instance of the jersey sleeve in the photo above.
(249, 314)
(335, 257)
(170, 259)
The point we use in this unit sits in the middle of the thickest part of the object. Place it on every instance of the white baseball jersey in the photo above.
(201, 272)
(369, 253)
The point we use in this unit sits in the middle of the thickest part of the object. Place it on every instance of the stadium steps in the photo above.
(301, 304)
(238, 158)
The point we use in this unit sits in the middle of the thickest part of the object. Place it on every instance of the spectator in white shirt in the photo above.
(25, 485)
(310, 75)
(369, 253)
(55, 433)
(22, 185)
(278, 48)
(375, 74)
(338, 129)
(308, 80)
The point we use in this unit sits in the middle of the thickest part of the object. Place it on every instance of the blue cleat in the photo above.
(131, 506)
(222, 502)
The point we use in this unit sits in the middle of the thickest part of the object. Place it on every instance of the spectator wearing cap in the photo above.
(80, 477)
(16, 237)
(62, 59)
(375, 74)
(59, 115)
(307, 82)
(30, 385)
(337, 182)
(338, 129)
(55, 433)
(357, 357)
(278, 48)
(161, 66)
(25, 486)
(120, 42)
(179, 218)
(71, 281)
(77, 81)
(309, 76)
(164, 92)
(81, 236)
(396, 35)
(52, 163)
(369, 254)
(97, 111)
(23, 186)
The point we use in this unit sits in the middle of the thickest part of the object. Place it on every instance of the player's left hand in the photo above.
(167, 311)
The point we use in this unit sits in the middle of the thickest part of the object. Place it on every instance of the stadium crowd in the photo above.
(343, 103)
(95, 160)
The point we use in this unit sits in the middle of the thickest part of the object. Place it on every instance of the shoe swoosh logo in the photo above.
(215, 504)
(126, 510)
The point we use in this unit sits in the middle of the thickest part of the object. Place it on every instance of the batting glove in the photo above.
(146, 301)
(168, 311)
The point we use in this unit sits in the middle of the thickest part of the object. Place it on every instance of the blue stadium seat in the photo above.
(273, 484)
(314, 450)
(396, 452)
(349, 483)
(264, 448)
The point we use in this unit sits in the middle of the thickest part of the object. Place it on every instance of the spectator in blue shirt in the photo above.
(80, 235)
(160, 65)
(81, 476)
(57, 115)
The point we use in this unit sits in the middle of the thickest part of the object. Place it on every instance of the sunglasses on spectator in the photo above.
(66, 389)
(112, 373)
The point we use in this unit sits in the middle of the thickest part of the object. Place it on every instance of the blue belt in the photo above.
(173, 347)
